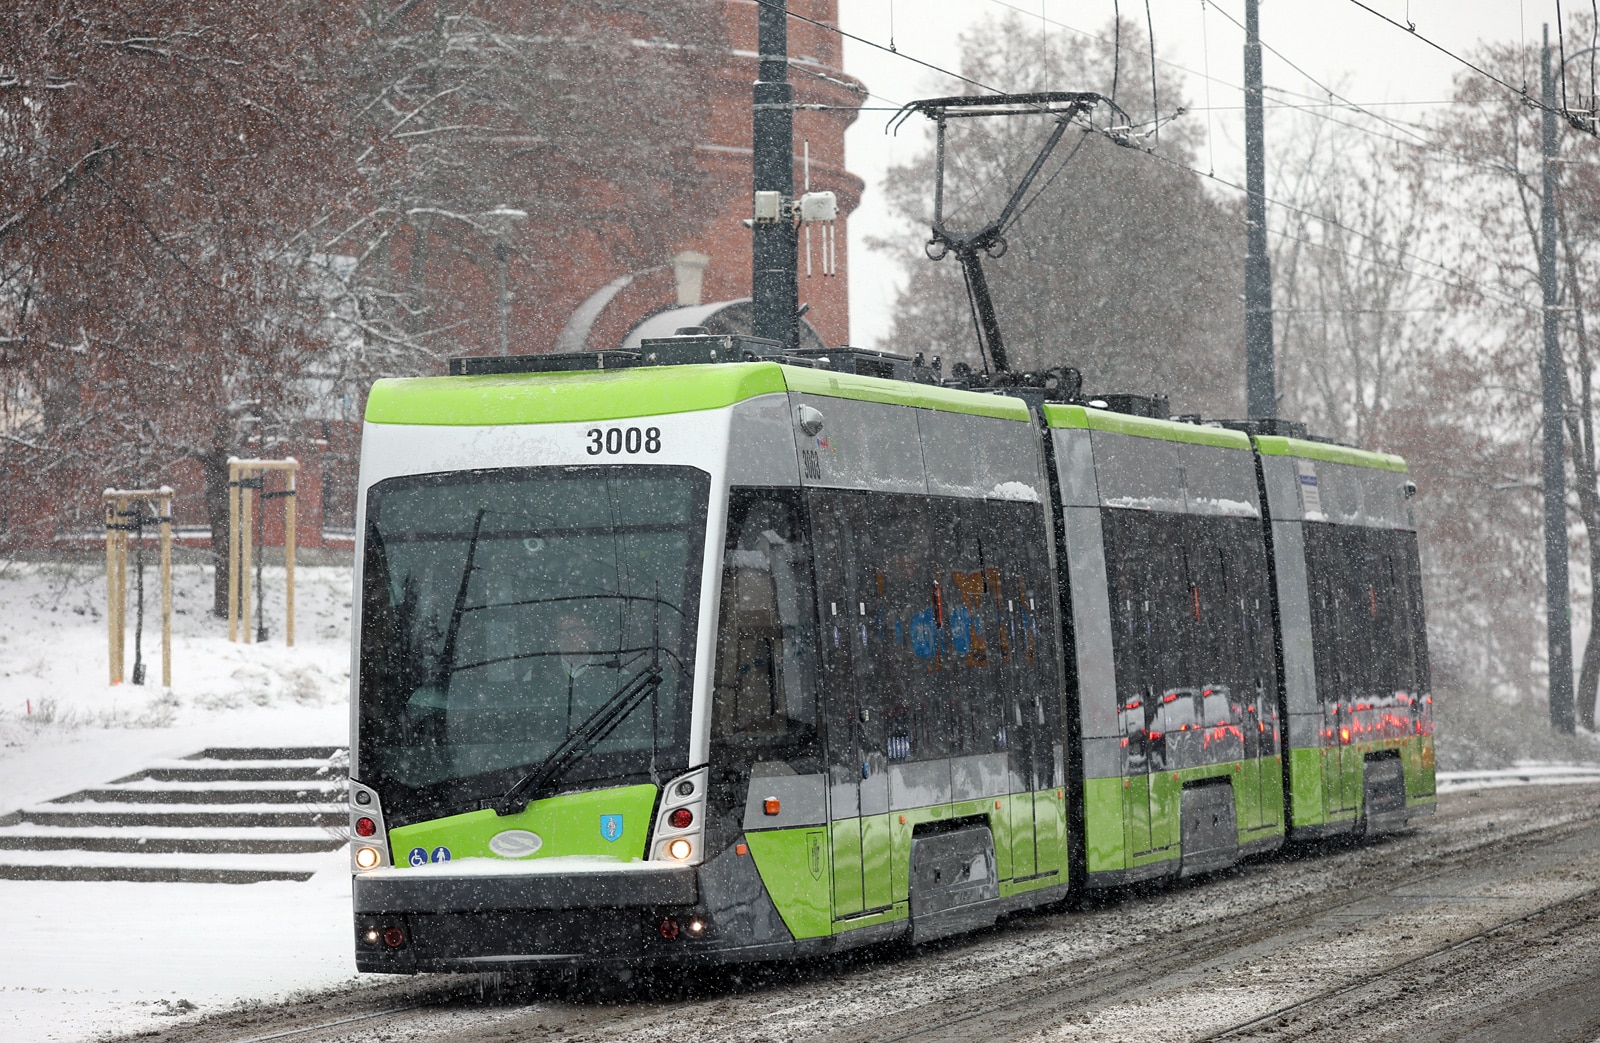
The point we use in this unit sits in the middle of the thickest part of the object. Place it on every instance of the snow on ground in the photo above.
(82, 960)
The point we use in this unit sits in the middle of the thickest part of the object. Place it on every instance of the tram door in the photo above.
(857, 776)
(1335, 563)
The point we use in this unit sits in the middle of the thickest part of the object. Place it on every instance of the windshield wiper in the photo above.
(582, 739)
(591, 732)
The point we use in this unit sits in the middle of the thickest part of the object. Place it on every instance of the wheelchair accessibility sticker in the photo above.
(419, 856)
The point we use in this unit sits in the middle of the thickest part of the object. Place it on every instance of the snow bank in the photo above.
(83, 959)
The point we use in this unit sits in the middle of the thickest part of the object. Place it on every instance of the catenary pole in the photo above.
(1260, 386)
(1558, 615)
(775, 281)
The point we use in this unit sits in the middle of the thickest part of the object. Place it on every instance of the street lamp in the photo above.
(501, 222)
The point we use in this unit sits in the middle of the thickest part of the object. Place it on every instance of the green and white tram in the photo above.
(744, 660)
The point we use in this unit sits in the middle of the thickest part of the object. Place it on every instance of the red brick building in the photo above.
(581, 299)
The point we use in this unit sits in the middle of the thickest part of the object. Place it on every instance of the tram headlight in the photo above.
(367, 857)
(680, 849)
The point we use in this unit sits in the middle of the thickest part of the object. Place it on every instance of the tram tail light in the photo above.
(366, 828)
(1344, 736)
(771, 806)
(680, 830)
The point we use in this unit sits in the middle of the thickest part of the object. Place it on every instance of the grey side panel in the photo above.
(875, 790)
(862, 445)
(954, 882)
(1075, 468)
(978, 775)
(1283, 488)
(761, 442)
(1091, 620)
(1142, 473)
(1344, 494)
(1383, 807)
(1382, 496)
(1210, 836)
(802, 801)
(1220, 481)
(1294, 611)
(1304, 731)
(980, 456)
(1103, 758)
(844, 798)
(919, 784)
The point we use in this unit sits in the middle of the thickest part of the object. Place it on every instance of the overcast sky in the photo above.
(1367, 60)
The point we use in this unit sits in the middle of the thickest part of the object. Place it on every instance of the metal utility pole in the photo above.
(774, 276)
(1260, 386)
(1558, 614)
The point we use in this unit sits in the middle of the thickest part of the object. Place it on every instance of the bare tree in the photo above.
(1490, 158)
(158, 157)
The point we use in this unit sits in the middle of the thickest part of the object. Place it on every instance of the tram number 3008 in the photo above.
(615, 441)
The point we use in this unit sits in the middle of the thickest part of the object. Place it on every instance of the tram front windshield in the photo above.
(502, 608)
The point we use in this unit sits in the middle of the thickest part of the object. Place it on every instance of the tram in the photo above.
(710, 651)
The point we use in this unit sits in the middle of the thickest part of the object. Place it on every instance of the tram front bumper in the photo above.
(473, 922)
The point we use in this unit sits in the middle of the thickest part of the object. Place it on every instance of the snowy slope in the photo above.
(88, 959)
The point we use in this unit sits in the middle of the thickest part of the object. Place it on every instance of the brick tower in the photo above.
(601, 304)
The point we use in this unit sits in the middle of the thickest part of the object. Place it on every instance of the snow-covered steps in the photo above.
(223, 815)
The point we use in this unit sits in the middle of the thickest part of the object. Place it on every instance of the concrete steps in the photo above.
(222, 815)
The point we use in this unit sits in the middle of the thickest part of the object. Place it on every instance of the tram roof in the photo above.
(549, 398)
(1086, 417)
(1327, 452)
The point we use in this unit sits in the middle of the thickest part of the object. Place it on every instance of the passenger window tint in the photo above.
(936, 631)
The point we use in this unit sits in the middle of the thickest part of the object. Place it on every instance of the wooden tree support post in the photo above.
(124, 507)
(245, 479)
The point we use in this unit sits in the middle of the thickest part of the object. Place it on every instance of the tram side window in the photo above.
(765, 699)
(1322, 581)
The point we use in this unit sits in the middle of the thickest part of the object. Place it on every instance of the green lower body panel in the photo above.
(1134, 823)
(1306, 787)
(1421, 784)
(869, 858)
(1105, 826)
(794, 868)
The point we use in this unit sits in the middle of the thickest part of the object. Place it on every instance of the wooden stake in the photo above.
(119, 513)
(233, 551)
(246, 553)
(165, 506)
